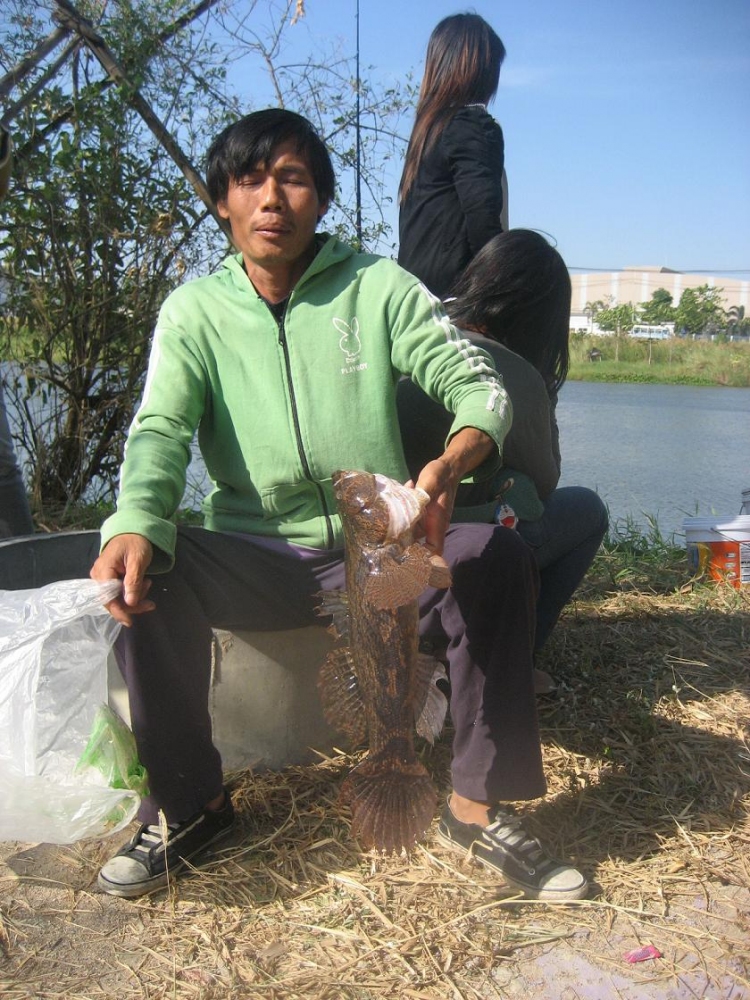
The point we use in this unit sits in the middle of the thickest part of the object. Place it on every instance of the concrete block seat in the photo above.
(264, 703)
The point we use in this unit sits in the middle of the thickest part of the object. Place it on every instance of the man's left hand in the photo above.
(440, 479)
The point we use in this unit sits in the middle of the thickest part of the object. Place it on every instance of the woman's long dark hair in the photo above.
(516, 291)
(462, 66)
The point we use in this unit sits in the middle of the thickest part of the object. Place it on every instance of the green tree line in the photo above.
(699, 311)
(111, 105)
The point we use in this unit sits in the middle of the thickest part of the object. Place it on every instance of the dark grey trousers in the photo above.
(231, 582)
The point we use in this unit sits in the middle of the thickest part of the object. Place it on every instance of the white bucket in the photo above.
(720, 547)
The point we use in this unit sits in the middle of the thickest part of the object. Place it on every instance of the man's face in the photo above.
(273, 211)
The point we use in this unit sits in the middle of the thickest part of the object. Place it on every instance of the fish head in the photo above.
(379, 510)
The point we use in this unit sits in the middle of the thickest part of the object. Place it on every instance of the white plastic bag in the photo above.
(54, 644)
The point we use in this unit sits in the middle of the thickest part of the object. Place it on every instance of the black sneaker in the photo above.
(505, 847)
(144, 864)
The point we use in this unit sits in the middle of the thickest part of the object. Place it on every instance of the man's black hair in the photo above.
(250, 143)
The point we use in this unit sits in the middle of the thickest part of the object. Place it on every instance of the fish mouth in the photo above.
(360, 491)
(355, 491)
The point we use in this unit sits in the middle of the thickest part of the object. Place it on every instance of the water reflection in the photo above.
(668, 451)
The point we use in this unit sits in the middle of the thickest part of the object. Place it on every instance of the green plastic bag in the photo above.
(111, 751)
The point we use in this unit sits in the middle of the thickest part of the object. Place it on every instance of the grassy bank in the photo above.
(677, 361)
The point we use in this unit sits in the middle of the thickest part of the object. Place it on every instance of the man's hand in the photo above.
(126, 558)
(440, 479)
(437, 480)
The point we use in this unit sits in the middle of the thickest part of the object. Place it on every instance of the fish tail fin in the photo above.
(392, 802)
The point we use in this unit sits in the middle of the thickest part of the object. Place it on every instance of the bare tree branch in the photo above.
(27, 64)
(69, 16)
(39, 85)
(65, 115)
(187, 18)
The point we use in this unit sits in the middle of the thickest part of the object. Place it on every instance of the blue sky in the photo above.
(627, 125)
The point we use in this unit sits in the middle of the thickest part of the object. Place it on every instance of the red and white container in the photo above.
(719, 547)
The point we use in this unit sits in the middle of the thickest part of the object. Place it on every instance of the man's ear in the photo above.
(323, 210)
(221, 208)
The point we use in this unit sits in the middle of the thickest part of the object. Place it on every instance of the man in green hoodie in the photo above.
(285, 361)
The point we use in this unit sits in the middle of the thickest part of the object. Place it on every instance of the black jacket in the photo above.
(456, 201)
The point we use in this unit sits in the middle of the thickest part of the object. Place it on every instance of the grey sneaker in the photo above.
(505, 847)
(146, 863)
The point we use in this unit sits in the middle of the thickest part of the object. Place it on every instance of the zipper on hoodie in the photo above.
(280, 322)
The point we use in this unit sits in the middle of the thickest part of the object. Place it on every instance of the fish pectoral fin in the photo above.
(334, 603)
(340, 695)
(434, 707)
(397, 576)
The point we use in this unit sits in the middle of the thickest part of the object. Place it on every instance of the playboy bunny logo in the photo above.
(350, 342)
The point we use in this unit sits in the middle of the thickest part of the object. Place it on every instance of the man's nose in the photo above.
(272, 195)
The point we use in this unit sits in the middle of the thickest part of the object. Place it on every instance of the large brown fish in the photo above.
(376, 686)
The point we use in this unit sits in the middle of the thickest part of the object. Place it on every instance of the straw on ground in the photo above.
(649, 771)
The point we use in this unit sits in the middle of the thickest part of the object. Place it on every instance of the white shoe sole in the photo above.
(130, 890)
(529, 892)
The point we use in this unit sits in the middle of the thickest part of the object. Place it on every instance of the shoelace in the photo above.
(508, 829)
(151, 837)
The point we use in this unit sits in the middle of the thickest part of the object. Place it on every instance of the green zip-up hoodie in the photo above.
(280, 406)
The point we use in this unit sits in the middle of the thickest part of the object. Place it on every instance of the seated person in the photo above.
(252, 358)
(513, 300)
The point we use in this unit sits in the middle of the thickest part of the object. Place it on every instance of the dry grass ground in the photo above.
(649, 771)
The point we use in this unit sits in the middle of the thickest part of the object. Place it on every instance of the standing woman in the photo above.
(452, 195)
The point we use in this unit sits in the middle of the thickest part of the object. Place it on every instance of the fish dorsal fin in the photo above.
(334, 603)
(396, 576)
(433, 708)
(340, 695)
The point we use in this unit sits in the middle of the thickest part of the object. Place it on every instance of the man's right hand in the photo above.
(126, 558)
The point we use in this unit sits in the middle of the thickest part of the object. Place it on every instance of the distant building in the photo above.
(637, 284)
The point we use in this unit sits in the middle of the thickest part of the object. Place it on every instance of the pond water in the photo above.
(653, 452)
(663, 452)
(657, 451)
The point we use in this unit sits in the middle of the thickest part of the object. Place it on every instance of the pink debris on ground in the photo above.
(642, 954)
